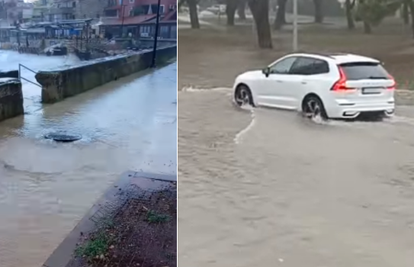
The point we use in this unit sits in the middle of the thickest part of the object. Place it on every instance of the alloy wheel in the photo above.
(313, 109)
(242, 96)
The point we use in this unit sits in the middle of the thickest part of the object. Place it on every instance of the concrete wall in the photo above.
(62, 83)
(11, 98)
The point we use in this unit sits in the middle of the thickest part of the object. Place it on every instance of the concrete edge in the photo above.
(63, 254)
(109, 58)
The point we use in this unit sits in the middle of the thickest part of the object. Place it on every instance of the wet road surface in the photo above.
(270, 188)
(46, 187)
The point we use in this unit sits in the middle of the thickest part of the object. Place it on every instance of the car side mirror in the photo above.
(266, 71)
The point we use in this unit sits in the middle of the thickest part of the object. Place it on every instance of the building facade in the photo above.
(92, 9)
(137, 18)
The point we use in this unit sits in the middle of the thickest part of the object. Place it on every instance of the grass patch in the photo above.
(154, 217)
(95, 247)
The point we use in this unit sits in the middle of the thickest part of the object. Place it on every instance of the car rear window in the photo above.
(364, 70)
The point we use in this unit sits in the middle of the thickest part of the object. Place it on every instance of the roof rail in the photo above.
(330, 55)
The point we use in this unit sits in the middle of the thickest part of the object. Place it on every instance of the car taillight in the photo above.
(340, 85)
(394, 84)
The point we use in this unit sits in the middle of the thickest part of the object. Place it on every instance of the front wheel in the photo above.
(313, 108)
(243, 96)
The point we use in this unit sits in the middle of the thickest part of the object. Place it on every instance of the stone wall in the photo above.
(11, 98)
(69, 81)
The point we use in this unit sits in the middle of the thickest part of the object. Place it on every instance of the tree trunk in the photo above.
(405, 13)
(349, 16)
(192, 6)
(241, 9)
(411, 8)
(180, 4)
(280, 19)
(318, 10)
(231, 7)
(260, 12)
(367, 27)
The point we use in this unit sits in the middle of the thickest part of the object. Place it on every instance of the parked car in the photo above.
(56, 50)
(217, 9)
(325, 85)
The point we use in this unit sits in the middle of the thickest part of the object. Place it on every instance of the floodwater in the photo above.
(46, 187)
(265, 187)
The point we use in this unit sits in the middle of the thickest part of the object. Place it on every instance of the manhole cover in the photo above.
(63, 137)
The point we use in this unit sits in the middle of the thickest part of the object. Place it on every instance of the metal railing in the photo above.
(21, 66)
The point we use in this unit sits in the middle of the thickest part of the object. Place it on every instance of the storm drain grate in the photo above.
(63, 137)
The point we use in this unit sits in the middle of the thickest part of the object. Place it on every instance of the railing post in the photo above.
(27, 80)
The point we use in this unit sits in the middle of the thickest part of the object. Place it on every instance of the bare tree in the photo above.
(260, 12)
(241, 9)
(405, 13)
(410, 4)
(318, 11)
(231, 7)
(192, 7)
(280, 19)
(349, 5)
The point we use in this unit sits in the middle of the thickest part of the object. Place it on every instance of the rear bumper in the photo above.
(346, 109)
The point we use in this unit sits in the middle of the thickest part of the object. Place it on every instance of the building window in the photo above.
(145, 30)
(112, 3)
(132, 1)
(173, 34)
(164, 31)
(172, 7)
(111, 13)
(141, 10)
(154, 9)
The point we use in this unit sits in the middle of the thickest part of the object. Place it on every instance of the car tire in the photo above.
(243, 96)
(312, 107)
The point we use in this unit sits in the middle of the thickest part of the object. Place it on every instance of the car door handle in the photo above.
(303, 82)
(279, 81)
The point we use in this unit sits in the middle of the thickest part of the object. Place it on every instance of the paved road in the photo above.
(289, 192)
(45, 188)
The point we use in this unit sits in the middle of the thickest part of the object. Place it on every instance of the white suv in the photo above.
(325, 85)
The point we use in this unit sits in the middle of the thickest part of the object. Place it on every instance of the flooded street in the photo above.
(268, 187)
(264, 187)
(46, 187)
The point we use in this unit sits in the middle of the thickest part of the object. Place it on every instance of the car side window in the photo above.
(309, 66)
(320, 66)
(283, 66)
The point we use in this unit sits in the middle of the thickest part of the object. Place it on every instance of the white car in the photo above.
(336, 86)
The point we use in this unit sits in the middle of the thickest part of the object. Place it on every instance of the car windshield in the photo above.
(364, 70)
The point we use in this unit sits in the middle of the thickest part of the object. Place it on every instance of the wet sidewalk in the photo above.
(46, 187)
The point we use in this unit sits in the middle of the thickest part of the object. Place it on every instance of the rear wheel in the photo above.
(312, 108)
(243, 96)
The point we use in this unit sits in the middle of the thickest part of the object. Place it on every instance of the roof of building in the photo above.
(127, 20)
(169, 17)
